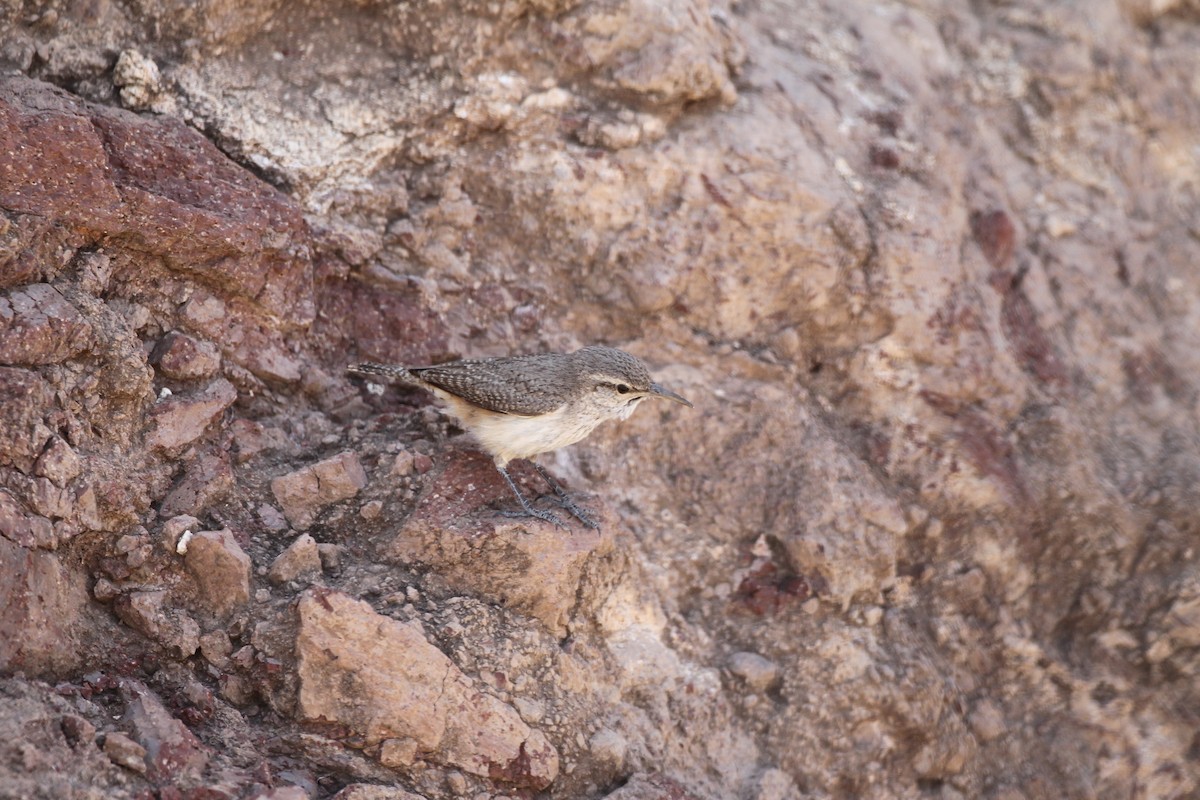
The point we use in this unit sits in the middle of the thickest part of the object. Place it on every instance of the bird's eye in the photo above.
(622, 388)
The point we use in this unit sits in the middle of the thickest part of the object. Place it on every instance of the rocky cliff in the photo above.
(927, 270)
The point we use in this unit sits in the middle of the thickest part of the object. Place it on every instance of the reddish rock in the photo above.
(24, 398)
(246, 343)
(303, 493)
(383, 680)
(371, 791)
(39, 326)
(58, 462)
(183, 200)
(179, 421)
(221, 570)
(207, 479)
(148, 614)
(183, 357)
(41, 608)
(27, 530)
(172, 752)
(651, 787)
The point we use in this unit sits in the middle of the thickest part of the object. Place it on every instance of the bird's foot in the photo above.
(565, 499)
(577, 511)
(536, 513)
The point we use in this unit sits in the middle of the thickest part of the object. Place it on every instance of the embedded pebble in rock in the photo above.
(216, 646)
(174, 528)
(759, 673)
(303, 493)
(609, 747)
(402, 466)
(125, 752)
(58, 462)
(184, 357)
(221, 570)
(397, 753)
(300, 560)
(331, 555)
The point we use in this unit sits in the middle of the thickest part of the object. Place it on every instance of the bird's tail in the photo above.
(388, 372)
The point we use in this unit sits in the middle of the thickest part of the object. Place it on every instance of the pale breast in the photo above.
(508, 436)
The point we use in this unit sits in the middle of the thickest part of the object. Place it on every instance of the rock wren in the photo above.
(521, 406)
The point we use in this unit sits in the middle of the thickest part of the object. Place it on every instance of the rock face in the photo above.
(386, 682)
(926, 269)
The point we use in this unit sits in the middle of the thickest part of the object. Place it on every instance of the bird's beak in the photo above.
(659, 391)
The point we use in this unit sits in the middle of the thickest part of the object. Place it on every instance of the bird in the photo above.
(518, 407)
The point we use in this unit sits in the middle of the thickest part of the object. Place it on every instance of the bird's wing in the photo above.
(524, 385)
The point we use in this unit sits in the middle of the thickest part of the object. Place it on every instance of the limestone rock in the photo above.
(384, 680)
(303, 493)
(758, 673)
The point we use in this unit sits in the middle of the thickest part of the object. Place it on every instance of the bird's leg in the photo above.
(565, 499)
(536, 513)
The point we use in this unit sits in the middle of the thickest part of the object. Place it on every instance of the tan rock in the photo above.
(303, 493)
(125, 752)
(221, 570)
(527, 565)
(301, 559)
(384, 680)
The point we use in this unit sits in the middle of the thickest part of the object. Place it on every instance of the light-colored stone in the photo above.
(303, 493)
(125, 752)
(758, 673)
(300, 560)
(384, 680)
(221, 570)
(397, 753)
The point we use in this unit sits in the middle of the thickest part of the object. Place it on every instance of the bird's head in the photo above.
(618, 382)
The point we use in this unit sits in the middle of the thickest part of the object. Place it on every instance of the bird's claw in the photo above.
(536, 513)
